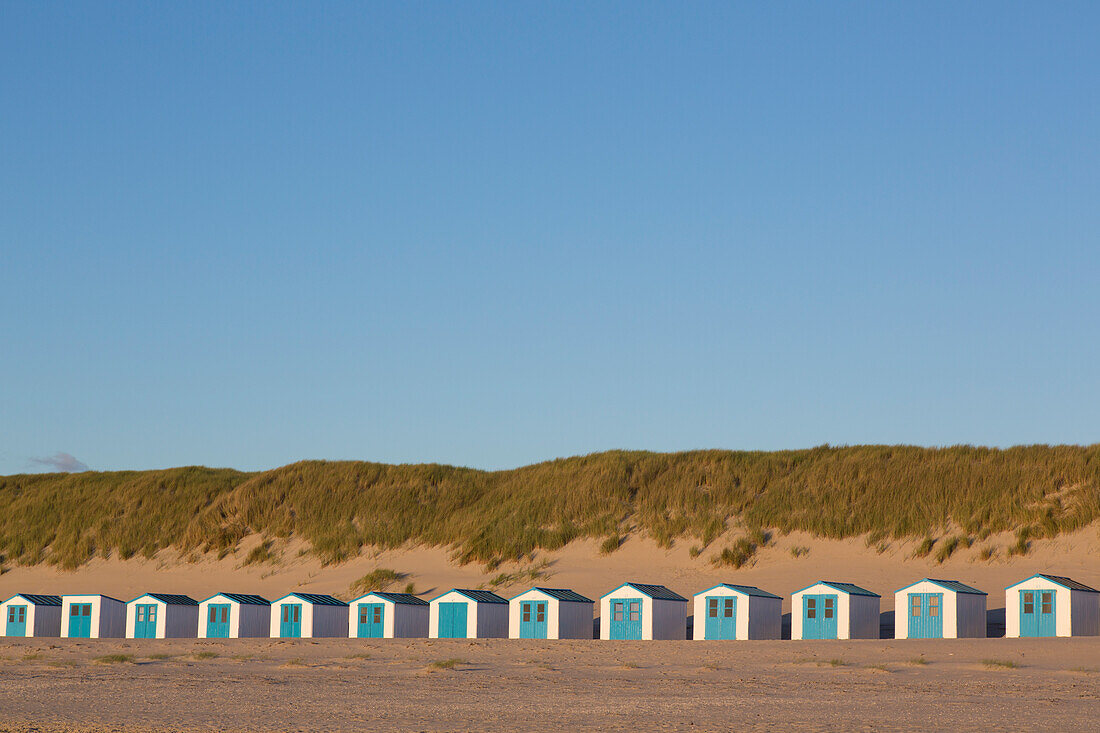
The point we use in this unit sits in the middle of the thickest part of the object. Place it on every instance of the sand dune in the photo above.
(581, 567)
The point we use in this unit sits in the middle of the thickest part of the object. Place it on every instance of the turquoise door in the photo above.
(145, 621)
(452, 620)
(1037, 613)
(819, 617)
(17, 621)
(926, 615)
(80, 620)
(532, 620)
(372, 620)
(721, 620)
(626, 618)
(290, 626)
(217, 621)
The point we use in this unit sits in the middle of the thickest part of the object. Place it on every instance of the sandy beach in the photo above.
(443, 685)
(990, 684)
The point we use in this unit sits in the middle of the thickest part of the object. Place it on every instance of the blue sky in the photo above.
(492, 234)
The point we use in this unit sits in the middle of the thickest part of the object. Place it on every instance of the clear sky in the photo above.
(491, 234)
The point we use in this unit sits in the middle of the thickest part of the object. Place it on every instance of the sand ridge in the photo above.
(579, 566)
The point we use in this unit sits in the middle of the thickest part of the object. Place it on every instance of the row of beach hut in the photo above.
(1040, 606)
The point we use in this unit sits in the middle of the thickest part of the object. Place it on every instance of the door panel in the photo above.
(532, 620)
(80, 620)
(372, 620)
(819, 617)
(145, 621)
(290, 622)
(17, 621)
(217, 621)
(721, 617)
(1037, 613)
(1047, 624)
(626, 618)
(925, 615)
(452, 620)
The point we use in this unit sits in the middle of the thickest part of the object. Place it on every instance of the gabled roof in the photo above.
(317, 599)
(951, 585)
(656, 592)
(37, 600)
(749, 590)
(170, 598)
(243, 598)
(850, 588)
(1068, 583)
(477, 596)
(91, 595)
(561, 594)
(407, 599)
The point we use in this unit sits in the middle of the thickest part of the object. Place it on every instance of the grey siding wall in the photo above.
(765, 617)
(181, 622)
(255, 621)
(330, 621)
(669, 620)
(575, 620)
(47, 621)
(112, 619)
(971, 616)
(1085, 610)
(410, 622)
(492, 621)
(864, 617)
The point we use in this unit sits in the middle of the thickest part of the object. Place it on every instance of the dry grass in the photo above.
(1000, 663)
(114, 659)
(610, 544)
(340, 507)
(377, 579)
(448, 663)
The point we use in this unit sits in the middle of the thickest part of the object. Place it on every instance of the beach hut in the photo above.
(381, 615)
(550, 613)
(1051, 605)
(468, 614)
(308, 615)
(29, 614)
(92, 617)
(829, 610)
(939, 609)
(643, 611)
(161, 616)
(742, 612)
(234, 616)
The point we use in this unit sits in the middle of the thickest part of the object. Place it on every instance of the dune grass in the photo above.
(1000, 663)
(341, 507)
(448, 663)
(377, 579)
(114, 659)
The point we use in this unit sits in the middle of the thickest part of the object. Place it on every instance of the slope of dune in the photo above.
(580, 565)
